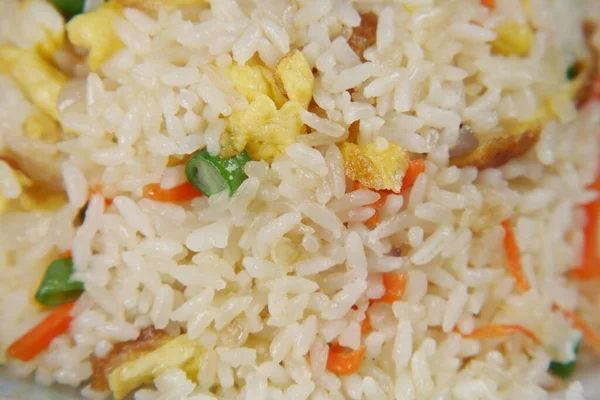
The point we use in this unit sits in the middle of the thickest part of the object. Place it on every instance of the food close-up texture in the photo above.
(300, 199)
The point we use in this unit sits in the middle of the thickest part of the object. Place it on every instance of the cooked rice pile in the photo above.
(251, 290)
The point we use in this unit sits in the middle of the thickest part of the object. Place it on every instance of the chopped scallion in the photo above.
(57, 287)
(572, 71)
(213, 174)
(70, 7)
(565, 370)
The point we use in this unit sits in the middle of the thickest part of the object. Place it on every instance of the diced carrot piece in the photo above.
(98, 189)
(596, 88)
(374, 220)
(494, 331)
(491, 4)
(185, 192)
(383, 194)
(395, 285)
(513, 258)
(66, 254)
(30, 345)
(343, 361)
(415, 168)
(366, 326)
(590, 264)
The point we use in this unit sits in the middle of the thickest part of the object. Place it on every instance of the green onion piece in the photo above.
(213, 174)
(565, 370)
(70, 7)
(57, 287)
(572, 71)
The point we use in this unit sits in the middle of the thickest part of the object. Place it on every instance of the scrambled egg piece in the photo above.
(155, 5)
(296, 77)
(411, 8)
(253, 80)
(513, 38)
(40, 126)
(271, 122)
(94, 31)
(49, 21)
(39, 80)
(375, 168)
(263, 130)
(33, 196)
(180, 352)
(53, 41)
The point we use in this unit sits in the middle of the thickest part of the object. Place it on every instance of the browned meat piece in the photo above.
(586, 91)
(353, 130)
(364, 35)
(467, 142)
(314, 108)
(498, 151)
(149, 339)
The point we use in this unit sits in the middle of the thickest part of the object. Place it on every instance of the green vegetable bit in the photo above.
(572, 72)
(565, 370)
(213, 174)
(57, 287)
(70, 7)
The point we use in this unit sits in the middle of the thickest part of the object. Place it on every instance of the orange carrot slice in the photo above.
(513, 258)
(596, 88)
(30, 345)
(366, 326)
(590, 264)
(494, 331)
(185, 192)
(415, 168)
(589, 335)
(491, 4)
(66, 254)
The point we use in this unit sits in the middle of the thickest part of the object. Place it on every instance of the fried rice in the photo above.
(300, 199)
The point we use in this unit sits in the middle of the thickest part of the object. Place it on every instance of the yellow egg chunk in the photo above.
(38, 196)
(253, 80)
(3, 203)
(42, 198)
(40, 126)
(375, 168)
(279, 132)
(263, 130)
(94, 31)
(513, 39)
(34, 196)
(411, 8)
(243, 124)
(296, 77)
(54, 40)
(180, 352)
(39, 80)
